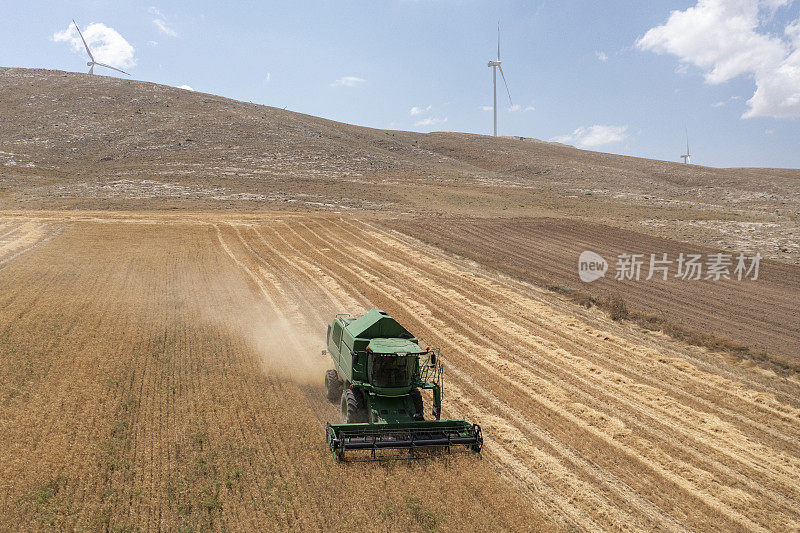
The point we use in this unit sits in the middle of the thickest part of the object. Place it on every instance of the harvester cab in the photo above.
(379, 370)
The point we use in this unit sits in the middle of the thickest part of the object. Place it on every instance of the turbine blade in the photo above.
(687, 141)
(506, 83)
(112, 68)
(84, 40)
(498, 41)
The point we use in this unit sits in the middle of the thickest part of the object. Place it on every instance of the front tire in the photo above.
(354, 410)
(333, 386)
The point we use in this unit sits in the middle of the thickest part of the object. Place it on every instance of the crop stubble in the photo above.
(175, 380)
(762, 314)
(148, 381)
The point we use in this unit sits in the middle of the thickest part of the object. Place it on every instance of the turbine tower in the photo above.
(91, 63)
(495, 65)
(687, 158)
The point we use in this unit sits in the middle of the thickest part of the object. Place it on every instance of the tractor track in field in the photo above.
(271, 292)
(758, 380)
(594, 424)
(651, 417)
(624, 375)
(332, 414)
(528, 473)
(757, 314)
(18, 237)
(417, 280)
(324, 412)
(763, 393)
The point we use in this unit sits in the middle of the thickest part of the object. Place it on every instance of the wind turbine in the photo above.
(495, 65)
(687, 158)
(92, 63)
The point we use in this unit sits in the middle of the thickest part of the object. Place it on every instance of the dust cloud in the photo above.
(283, 338)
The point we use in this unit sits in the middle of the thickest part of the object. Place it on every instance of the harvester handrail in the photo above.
(432, 373)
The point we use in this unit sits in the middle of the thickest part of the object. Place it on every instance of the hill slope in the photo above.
(71, 140)
(115, 128)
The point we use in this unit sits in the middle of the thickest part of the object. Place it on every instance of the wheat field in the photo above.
(163, 371)
(147, 382)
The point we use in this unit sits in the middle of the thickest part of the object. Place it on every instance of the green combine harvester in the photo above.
(379, 370)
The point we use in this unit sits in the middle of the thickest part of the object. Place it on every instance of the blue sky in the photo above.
(577, 69)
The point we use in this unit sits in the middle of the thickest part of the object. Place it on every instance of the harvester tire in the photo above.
(333, 386)
(416, 397)
(354, 410)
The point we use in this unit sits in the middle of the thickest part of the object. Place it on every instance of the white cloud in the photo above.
(161, 23)
(722, 103)
(152, 43)
(185, 87)
(268, 77)
(601, 55)
(106, 44)
(722, 38)
(348, 81)
(792, 31)
(420, 110)
(769, 132)
(592, 136)
(772, 5)
(683, 68)
(512, 109)
(163, 28)
(431, 121)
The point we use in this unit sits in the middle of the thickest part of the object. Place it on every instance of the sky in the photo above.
(627, 77)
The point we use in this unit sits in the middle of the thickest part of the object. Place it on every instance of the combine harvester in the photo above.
(379, 371)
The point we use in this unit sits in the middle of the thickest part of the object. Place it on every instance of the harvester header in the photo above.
(379, 370)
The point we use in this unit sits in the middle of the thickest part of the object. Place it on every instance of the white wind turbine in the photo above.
(495, 65)
(687, 158)
(92, 62)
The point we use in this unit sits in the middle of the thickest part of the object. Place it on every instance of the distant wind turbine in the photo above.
(92, 63)
(687, 158)
(495, 65)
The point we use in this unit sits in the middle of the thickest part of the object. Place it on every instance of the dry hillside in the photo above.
(71, 140)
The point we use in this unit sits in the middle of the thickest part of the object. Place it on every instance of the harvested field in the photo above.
(167, 376)
(763, 315)
(20, 236)
(162, 371)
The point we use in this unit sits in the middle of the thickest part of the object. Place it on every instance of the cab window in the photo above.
(390, 371)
